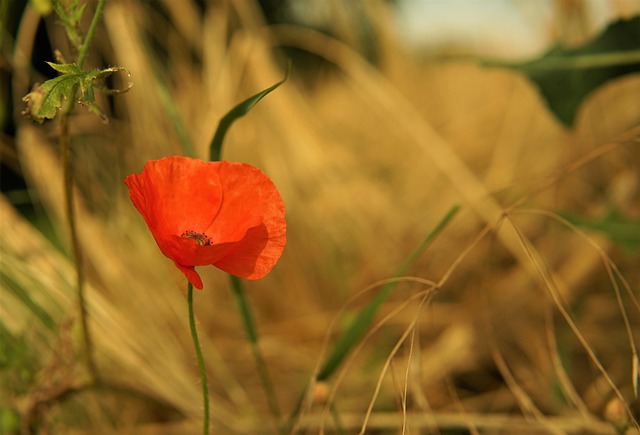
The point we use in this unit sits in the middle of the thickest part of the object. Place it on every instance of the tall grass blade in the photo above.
(252, 335)
(215, 149)
(363, 320)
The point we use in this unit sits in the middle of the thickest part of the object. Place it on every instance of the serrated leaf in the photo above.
(621, 230)
(65, 68)
(44, 101)
(566, 76)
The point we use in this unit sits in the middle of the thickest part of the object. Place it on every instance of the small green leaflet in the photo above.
(621, 230)
(44, 101)
(566, 76)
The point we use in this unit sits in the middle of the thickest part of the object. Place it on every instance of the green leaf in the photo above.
(358, 326)
(363, 320)
(65, 68)
(215, 149)
(245, 311)
(566, 76)
(621, 230)
(44, 101)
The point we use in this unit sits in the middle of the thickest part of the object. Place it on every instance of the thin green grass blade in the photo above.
(243, 307)
(23, 296)
(363, 320)
(252, 334)
(215, 153)
(337, 420)
(215, 149)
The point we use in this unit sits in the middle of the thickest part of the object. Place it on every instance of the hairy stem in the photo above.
(67, 169)
(84, 50)
(203, 372)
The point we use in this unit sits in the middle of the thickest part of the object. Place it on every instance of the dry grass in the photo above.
(534, 322)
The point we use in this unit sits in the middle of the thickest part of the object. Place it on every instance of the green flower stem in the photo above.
(84, 50)
(252, 335)
(203, 372)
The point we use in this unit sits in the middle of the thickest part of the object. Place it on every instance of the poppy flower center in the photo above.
(200, 238)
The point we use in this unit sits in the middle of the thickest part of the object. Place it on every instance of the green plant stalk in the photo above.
(67, 169)
(359, 326)
(252, 335)
(215, 154)
(203, 372)
(84, 50)
(365, 317)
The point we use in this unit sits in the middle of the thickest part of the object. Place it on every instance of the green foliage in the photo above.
(9, 421)
(215, 153)
(23, 294)
(18, 362)
(44, 101)
(215, 149)
(70, 13)
(566, 76)
(363, 320)
(621, 230)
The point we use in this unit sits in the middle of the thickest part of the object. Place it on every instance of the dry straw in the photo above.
(367, 159)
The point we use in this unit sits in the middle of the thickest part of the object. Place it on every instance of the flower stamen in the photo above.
(200, 238)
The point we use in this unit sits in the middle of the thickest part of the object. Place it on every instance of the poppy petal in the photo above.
(211, 213)
(254, 256)
(257, 252)
(191, 275)
(186, 251)
(176, 193)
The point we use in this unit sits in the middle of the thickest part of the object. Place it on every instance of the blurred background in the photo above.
(521, 317)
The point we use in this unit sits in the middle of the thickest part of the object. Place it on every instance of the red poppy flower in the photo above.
(229, 215)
